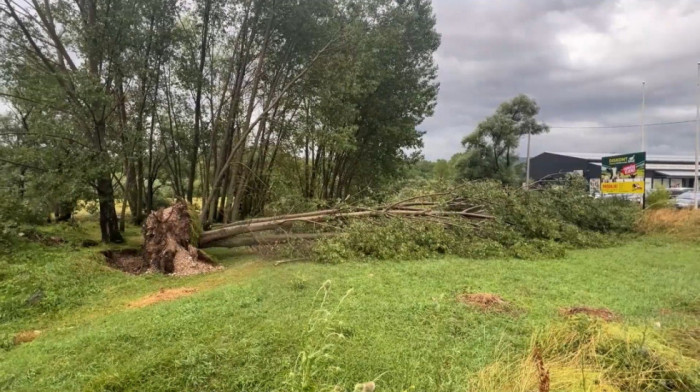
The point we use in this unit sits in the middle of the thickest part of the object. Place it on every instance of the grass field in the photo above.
(307, 327)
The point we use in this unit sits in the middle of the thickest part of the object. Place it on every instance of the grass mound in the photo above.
(602, 313)
(484, 301)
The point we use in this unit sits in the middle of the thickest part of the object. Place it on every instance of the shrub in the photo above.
(659, 198)
(14, 213)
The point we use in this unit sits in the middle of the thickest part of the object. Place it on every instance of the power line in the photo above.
(621, 126)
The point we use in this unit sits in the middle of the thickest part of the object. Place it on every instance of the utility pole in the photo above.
(697, 141)
(644, 140)
(527, 163)
(644, 136)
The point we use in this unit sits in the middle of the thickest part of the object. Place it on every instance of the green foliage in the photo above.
(528, 224)
(421, 168)
(16, 213)
(491, 147)
(162, 98)
(384, 239)
(659, 198)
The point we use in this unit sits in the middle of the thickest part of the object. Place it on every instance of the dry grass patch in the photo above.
(680, 223)
(162, 295)
(485, 301)
(601, 313)
(584, 354)
(26, 337)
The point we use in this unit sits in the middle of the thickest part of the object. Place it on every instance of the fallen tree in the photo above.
(277, 222)
(172, 238)
(519, 223)
(268, 239)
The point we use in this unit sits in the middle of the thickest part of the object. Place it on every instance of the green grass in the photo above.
(256, 327)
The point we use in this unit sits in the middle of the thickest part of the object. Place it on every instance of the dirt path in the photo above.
(214, 279)
(162, 295)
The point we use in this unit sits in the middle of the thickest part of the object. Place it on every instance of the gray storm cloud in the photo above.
(583, 61)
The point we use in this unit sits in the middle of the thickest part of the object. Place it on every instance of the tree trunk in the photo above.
(198, 102)
(270, 239)
(109, 223)
(63, 211)
(276, 222)
(122, 214)
(138, 214)
(132, 193)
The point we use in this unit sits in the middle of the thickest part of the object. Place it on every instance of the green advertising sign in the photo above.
(623, 173)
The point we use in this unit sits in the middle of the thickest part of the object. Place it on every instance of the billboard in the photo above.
(623, 173)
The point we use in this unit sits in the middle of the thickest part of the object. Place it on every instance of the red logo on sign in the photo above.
(629, 169)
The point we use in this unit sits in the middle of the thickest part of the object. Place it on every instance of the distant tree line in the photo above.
(235, 102)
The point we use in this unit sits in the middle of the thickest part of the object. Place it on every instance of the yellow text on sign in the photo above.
(622, 187)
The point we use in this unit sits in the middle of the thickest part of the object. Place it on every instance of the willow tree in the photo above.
(72, 50)
(362, 114)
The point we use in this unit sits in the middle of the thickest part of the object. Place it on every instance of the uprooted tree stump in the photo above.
(169, 238)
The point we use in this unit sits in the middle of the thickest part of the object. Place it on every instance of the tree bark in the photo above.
(198, 102)
(270, 239)
(109, 223)
(279, 221)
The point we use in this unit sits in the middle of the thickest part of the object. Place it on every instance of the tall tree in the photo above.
(371, 97)
(72, 48)
(491, 148)
(236, 102)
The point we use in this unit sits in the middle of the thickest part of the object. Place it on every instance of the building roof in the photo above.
(676, 173)
(598, 156)
(670, 166)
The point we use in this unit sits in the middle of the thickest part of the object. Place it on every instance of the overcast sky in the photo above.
(582, 60)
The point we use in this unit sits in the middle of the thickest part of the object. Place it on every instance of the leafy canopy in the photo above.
(492, 145)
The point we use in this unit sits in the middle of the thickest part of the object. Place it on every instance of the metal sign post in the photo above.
(697, 143)
(644, 136)
(527, 164)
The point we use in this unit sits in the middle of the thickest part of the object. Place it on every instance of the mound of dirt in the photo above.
(484, 301)
(603, 313)
(162, 295)
(133, 261)
(26, 337)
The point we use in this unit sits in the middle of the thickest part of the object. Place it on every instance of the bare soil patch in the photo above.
(132, 261)
(603, 313)
(485, 301)
(162, 295)
(128, 260)
(26, 337)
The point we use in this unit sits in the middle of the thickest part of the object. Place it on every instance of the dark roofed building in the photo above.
(670, 171)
